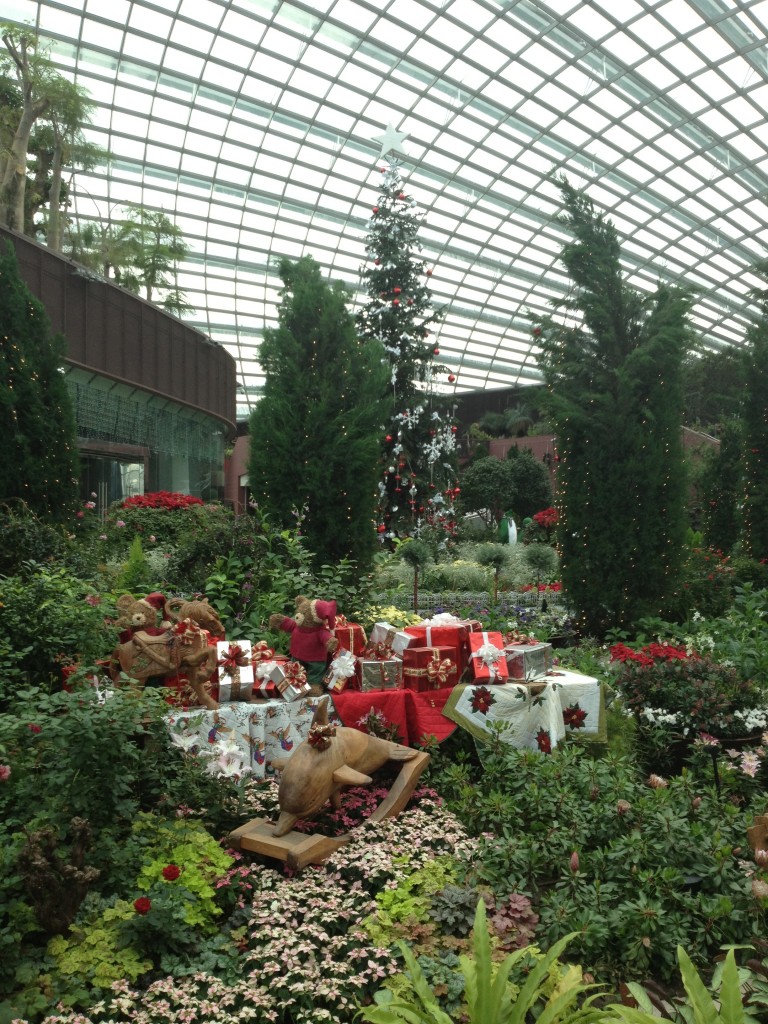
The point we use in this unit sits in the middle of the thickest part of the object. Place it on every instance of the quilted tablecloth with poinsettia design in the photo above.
(568, 702)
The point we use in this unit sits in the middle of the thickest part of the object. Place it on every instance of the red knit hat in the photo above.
(325, 610)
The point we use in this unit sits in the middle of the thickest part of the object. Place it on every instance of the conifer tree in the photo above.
(39, 463)
(722, 488)
(418, 461)
(314, 435)
(755, 501)
(614, 379)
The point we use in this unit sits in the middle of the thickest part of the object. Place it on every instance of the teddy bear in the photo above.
(140, 614)
(173, 653)
(312, 639)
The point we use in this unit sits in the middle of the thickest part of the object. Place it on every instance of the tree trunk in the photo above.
(53, 236)
(15, 177)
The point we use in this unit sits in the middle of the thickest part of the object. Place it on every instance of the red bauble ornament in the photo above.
(397, 290)
(401, 196)
(429, 273)
(375, 209)
(410, 302)
(451, 378)
(377, 261)
(457, 490)
(436, 351)
(431, 487)
(395, 302)
(381, 528)
(536, 332)
(388, 437)
(398, 490)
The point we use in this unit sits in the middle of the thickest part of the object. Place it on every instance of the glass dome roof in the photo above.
(260, 127)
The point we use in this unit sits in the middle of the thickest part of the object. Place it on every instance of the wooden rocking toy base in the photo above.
(298, 849)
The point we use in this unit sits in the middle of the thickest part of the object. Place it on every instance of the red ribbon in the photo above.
(234, 656)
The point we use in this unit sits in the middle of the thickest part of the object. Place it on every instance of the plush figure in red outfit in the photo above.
(311, 638)
(140, 615)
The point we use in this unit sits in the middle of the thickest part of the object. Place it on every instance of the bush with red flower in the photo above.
(161, 499)
(672, 688)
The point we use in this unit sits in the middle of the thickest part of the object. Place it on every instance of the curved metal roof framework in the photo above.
(258, 127)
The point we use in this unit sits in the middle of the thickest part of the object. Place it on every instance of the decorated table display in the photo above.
(256, 734)
(530, 718)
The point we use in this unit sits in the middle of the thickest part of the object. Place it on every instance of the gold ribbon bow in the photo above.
(438, 671)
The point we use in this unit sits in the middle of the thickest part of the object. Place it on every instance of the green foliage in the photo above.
(543, 560)
(315, 433)
(755, 457)
(47, 621)
(453, 909)
(26, 538)
(721, 488)
(489, 486)
(657, 865)
(40, 463)
(490, 998)
(724, 1005)
(136, 575)
(615, 401)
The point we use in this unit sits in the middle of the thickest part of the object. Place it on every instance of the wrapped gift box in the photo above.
(453, 636)
(487, 658)
(393, 637)
(350, 635)
(528, 661)
(342, 673)
(267, 674)
(378, 674)
(235, 670)
(429, 668)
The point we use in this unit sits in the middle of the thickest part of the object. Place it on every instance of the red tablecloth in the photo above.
(416, 714)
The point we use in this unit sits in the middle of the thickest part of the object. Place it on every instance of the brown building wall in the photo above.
(118, 335)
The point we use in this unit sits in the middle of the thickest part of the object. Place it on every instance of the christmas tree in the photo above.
(417, 487)
(615, 398)
(314, 435)
(40, 462)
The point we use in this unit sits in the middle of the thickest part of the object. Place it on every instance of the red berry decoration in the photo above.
(397, 290)
(381, 527)
(388, 437)
(395, 302)
(536, 332)
(401, 196)
(410, 302)
(436, 351)
(375, 209)
(454, 429)
(451, 378)
(429, 272)
(377, 261)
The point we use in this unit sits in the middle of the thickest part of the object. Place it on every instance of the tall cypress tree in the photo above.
(755, 503)
(314, 435)
(40, 462)
(722, 488)
(418, 451)
(615, 398)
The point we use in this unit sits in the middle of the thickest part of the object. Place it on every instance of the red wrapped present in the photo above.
(487, 657)
(453, 636)
(350, 635)
(429, 668)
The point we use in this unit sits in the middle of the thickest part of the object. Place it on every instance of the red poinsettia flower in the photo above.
(142, 905)
(543, 741)
(171, 872)
(573, 716)
(482, 700)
